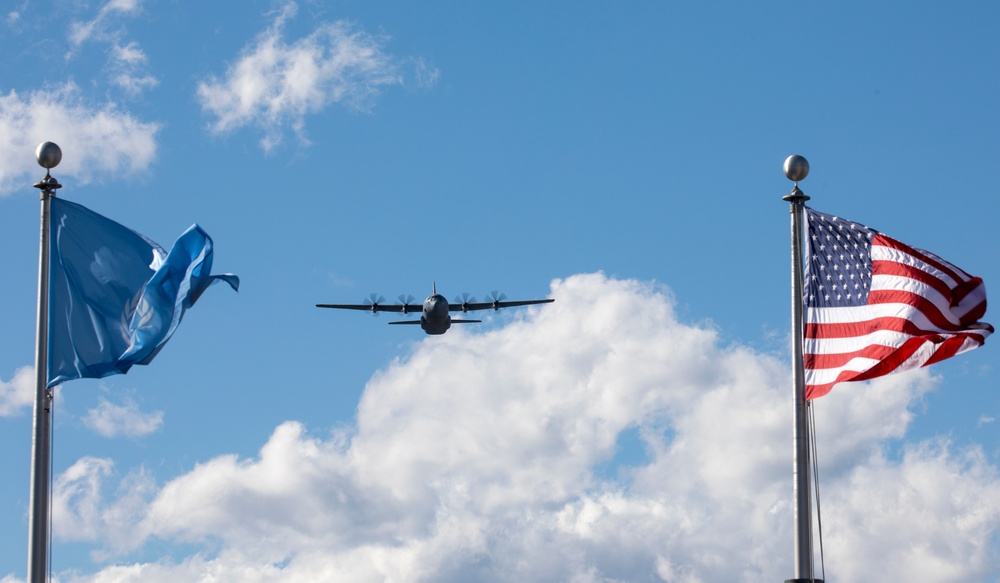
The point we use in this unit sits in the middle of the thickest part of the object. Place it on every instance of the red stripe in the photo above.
(973, 315)
(881, 368)
(919, 304)
(966, 289)
(953, 271)
(817, 391)
(837, 360)
(951, 343)
(893, 362)
(884, 267)
(882, 297)
(947, 349)
(887, 323)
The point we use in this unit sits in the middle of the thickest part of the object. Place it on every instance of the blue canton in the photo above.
(838, 264)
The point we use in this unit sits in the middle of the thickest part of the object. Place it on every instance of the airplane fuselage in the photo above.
(435, 318)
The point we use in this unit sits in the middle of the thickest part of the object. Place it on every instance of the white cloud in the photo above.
(79, 510)
(15, 17)
(951, 498)
(102, 26)
(127, 63)
(19, 393)
(127, 66)
(96, 141)
(475, 459)
(111, 420)
(275, 84)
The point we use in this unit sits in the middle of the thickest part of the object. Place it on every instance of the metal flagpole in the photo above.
(48, 155)
(797, 168)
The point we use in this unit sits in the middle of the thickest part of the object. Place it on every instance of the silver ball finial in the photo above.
(796, 168)
(48, 155)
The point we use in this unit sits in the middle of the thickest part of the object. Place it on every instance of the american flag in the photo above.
(874, 305)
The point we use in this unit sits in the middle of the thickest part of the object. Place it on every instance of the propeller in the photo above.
(465, 299)
(375, 300)
(495, 298)
(406, 301)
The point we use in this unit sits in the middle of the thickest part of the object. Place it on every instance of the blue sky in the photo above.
(624, 159)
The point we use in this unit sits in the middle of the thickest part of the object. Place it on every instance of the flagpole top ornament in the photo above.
(796, 168)
(48, 155)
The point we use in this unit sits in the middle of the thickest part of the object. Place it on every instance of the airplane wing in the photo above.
(470, 306)
(399, 308)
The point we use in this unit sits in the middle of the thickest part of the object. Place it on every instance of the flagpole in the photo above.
(48, 155)
(797, 168)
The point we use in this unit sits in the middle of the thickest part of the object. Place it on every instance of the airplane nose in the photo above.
(436, 306)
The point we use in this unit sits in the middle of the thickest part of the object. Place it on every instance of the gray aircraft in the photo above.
(435, 317)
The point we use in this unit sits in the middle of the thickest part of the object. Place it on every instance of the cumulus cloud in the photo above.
(17, 394)
(96, 141)
(80, 510)
(483, 457)
(111, 420)
(275, 83)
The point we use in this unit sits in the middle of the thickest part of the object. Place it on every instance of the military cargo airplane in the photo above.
(434, 313)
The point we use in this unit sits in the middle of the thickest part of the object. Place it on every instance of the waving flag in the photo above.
(115, 297)
(874, 306)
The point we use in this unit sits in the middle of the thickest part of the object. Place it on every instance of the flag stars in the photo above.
(837, 248)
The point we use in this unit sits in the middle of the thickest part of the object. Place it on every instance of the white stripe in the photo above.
(880, 338)
(861, 314)
(880, 253)
(822, 376)
(858, 365)
(853, 343)
(908, 285)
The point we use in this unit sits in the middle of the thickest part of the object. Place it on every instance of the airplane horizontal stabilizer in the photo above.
(454, 321)
(411, 322)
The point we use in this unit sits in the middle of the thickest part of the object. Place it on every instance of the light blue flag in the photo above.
(115, 297)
